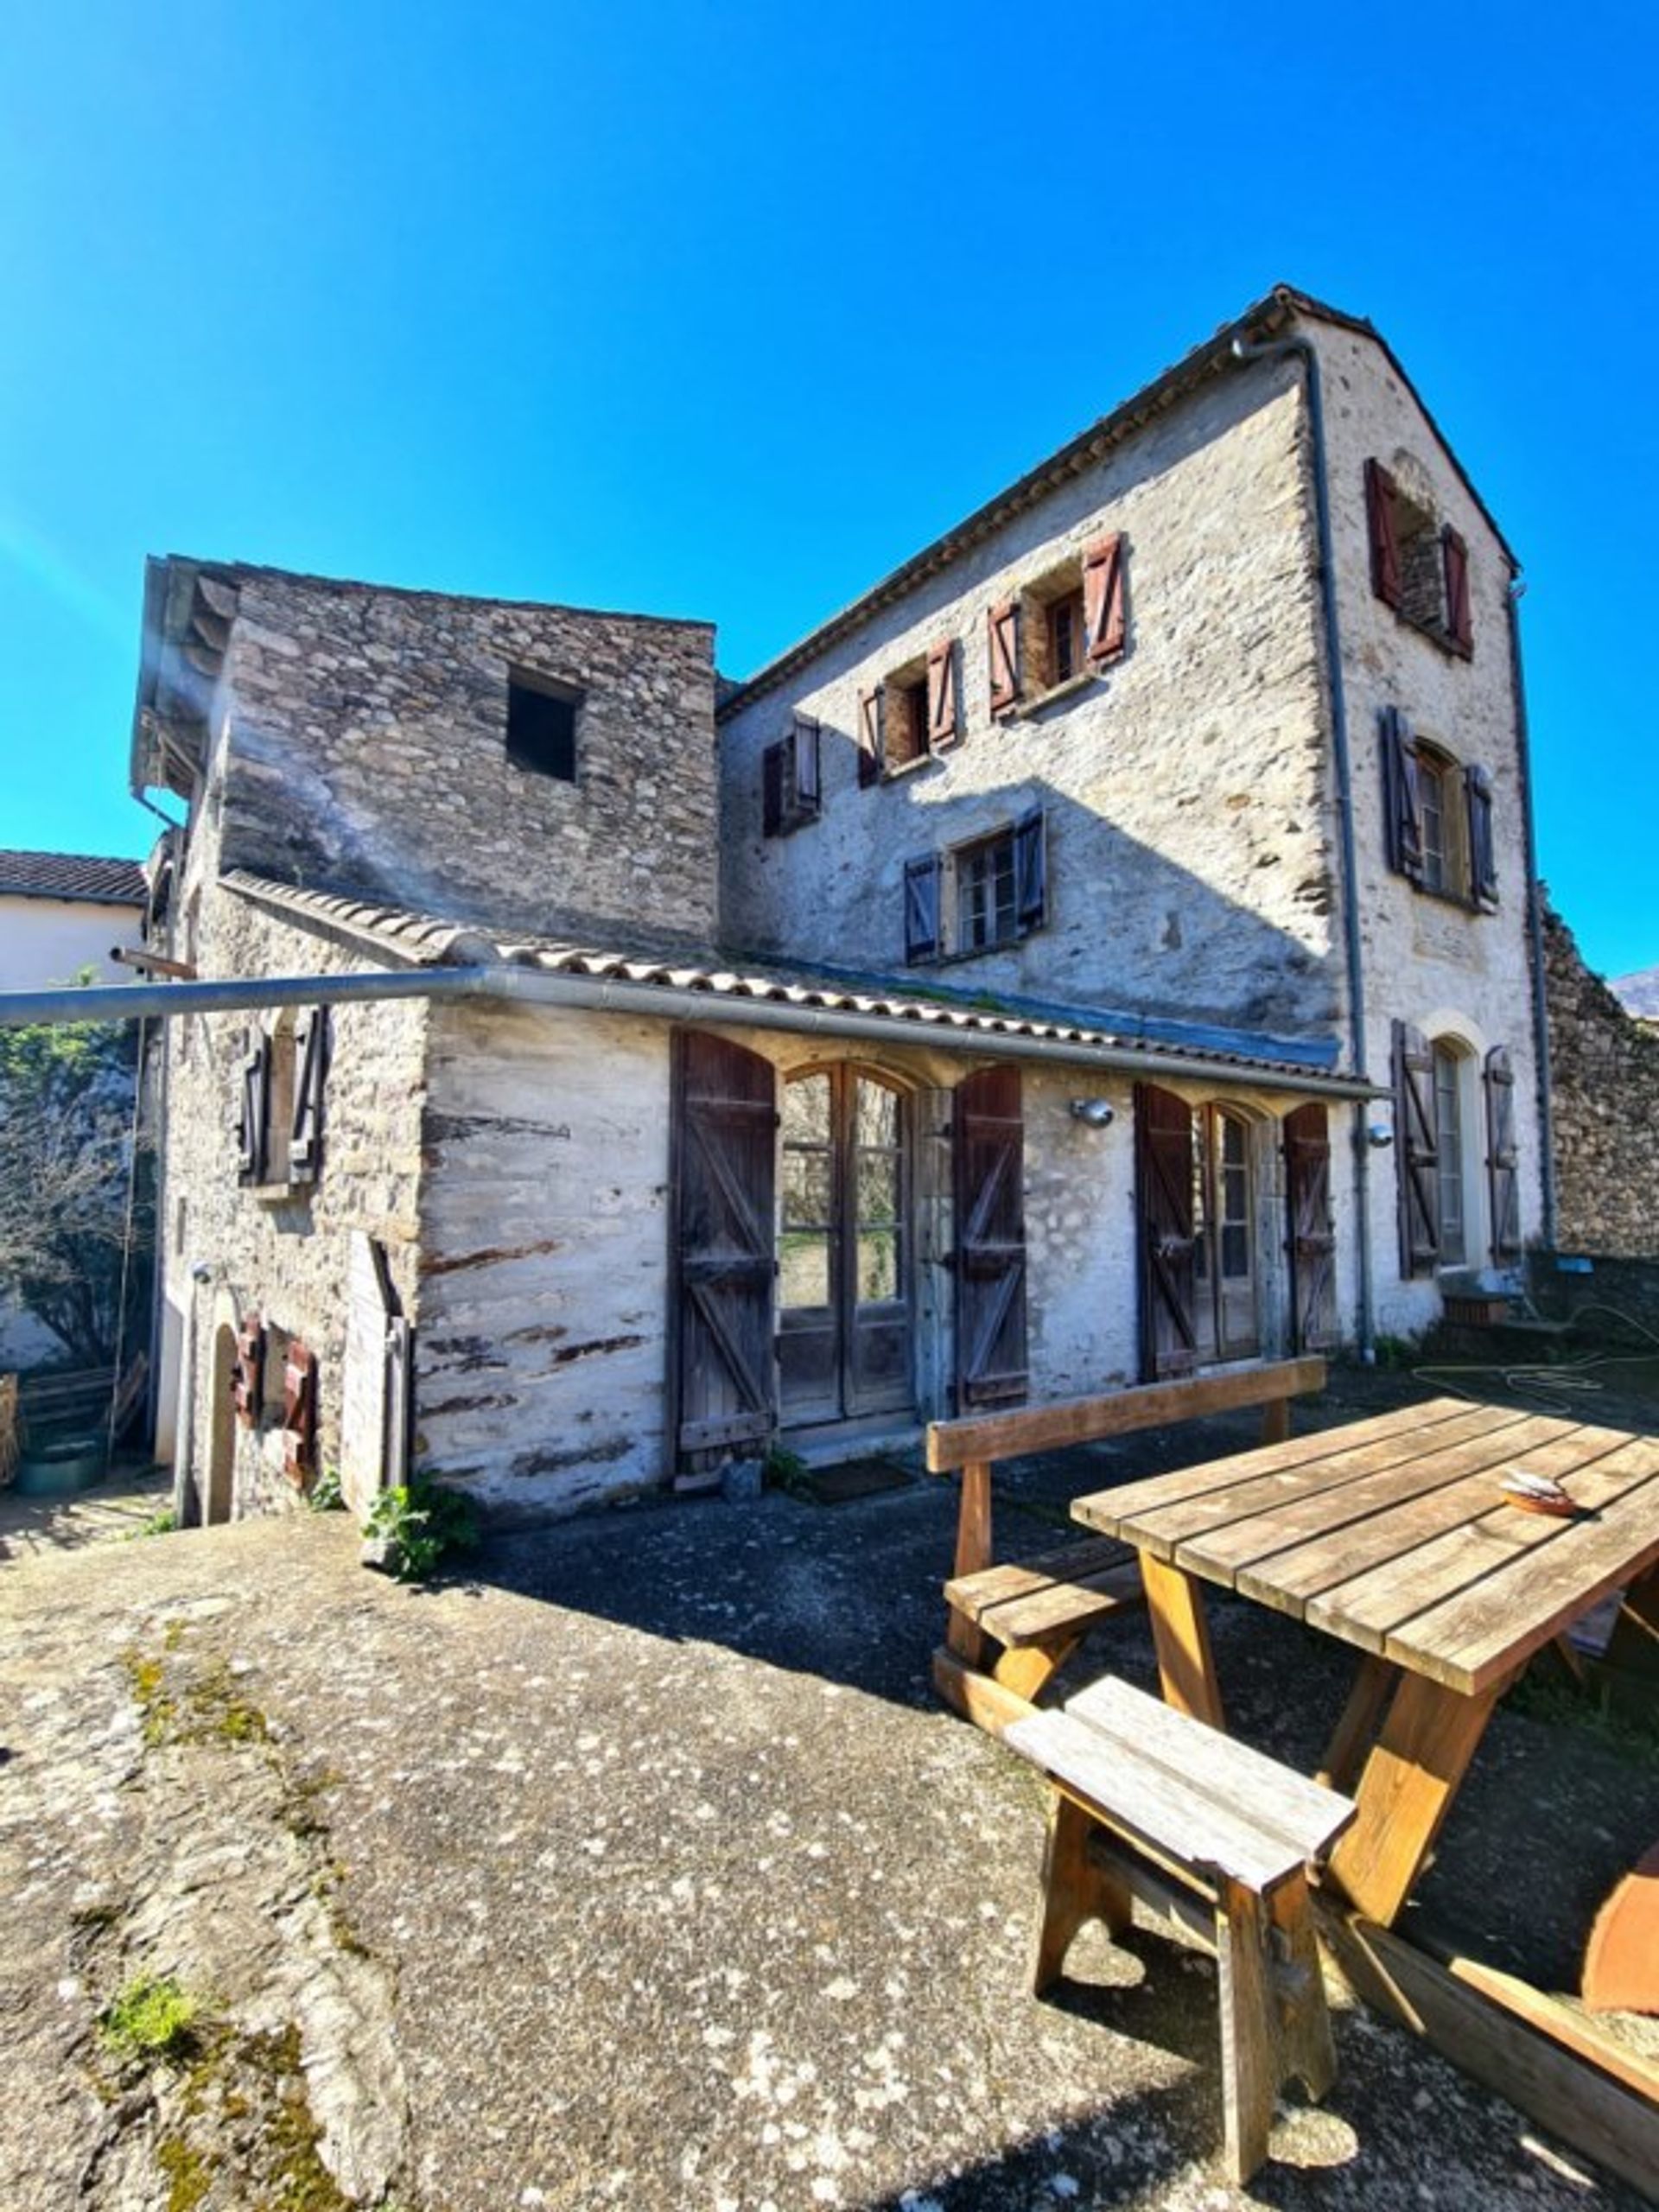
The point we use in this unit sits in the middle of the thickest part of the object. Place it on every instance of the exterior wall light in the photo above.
(1379, 1136)
(1099, 1112)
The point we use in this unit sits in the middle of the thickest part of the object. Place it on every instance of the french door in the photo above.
(1223, 1249)
(845, 1308)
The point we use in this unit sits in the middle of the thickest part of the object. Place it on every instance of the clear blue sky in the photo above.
(722, 311)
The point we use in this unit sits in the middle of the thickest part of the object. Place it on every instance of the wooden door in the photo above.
(1313, 1240)
(1164, 1182)
(990, 1199)
(724, 1132)
(845, 1310)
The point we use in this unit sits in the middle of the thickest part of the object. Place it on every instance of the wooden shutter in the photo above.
(1402, 817)
(1460, 622)
(808, 789)
(922, 907)
(1312, 1242)
(773, 770)
(311, 1044)
(990, 1259)
(1385, 545)
(1417, 1151)
(1104, 628)
(299, 1413)
(1483, 859)
(1002, 649)
(1163, 1154)
(1501, 1156)
(942, 730)
(1031, 870)
(869, 737)
(724, 1176)
(247, 1372)
(253, 1113)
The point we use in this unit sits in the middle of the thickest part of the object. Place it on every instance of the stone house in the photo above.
(1104, 950)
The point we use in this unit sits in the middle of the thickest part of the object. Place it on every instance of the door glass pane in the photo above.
(878, 1114)
(878, 1265)
(1449, 1119)
(807, 1199)
(878, 1188)
(1235, 1200)
(803, 1269)
(806, 1110)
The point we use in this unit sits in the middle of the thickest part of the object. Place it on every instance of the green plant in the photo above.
(159, 1524)
(325, 1494)
(787, 1471)
(152, 2017)
(418, 1522)
(1396, 1351)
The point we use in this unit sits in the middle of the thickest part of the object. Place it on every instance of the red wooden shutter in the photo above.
(1312, 1242)
(942, 728)
(1385, 546)
(1030, 871)
(991, 1198)
(1163, 1149)
(1501, 1156)
(724, 1174)
(253, 1111)
(922, 907)
(299, 1413)
(311, 1043)
(1002, 648)
(247, 1374)
(1402, 818)
(1417, 1151)
(869, 737)
(1103, 619)
(1460, 622)
(1482, 860)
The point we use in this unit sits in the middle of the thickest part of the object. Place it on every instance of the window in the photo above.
(994, 891)
(1069, 622)
(542, 726)
(1065, 636)
(1438, 817)
(913, 714)
(1420, 566)
(284, 1077)
(1448, 1117)
(792, 787)
(984, 875)
(1441, 1090)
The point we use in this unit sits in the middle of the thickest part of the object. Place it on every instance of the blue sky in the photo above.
(723, 310)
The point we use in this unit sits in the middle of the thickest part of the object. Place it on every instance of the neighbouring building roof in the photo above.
(1265, 319)
(407, 939)
(86, 876)
(1639, 993)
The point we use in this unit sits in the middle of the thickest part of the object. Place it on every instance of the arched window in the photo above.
(1450, 1161)
(1223, 1245)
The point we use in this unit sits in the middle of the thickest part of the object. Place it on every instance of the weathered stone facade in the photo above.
(1605, 1098)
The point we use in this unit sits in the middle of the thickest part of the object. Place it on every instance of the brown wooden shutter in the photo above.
(990, 1265)
(1483, 859)
(299, 1413)
(247, 1373)
(1402, 816)
(942, 721)
(1105, 624)
(1002, 648)
(869, 737)
(1312, 1240)
(922, 907)
(253, 1112)
(1417, 1151)
(1385, 546)
(724, 1139)
(1163, 1154)
(311, 1046)
(1030, 871)
(807, 788)
(1460, 622)
(1503, 1156)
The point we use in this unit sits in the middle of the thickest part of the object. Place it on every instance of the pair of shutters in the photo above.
(257, 1157)
(944, 723)
(1105, 622)
(299, 1414)
(1417, 1148)
(1164, 1187)
(1382, 494)
(790, 778)
(925, 887)
(724, 1199)
(1402, 812)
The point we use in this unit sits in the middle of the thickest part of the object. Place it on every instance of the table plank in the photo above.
(1102, 1508)
(1386, 1529)
(1392, 1609)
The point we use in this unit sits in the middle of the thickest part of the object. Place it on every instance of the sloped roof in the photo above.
(87, 876)
(1639, 993)
(409, 939)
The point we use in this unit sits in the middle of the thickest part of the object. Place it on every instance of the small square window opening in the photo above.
(542, 726)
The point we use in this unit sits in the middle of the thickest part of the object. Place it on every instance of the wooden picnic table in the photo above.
(1392, 1535)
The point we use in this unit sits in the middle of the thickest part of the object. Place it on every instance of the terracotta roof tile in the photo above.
(72, 876)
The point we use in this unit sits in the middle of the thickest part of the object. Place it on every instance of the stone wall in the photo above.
(368, 753)
(1604, 1096)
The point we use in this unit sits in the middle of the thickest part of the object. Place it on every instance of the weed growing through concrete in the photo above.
(418, 1522)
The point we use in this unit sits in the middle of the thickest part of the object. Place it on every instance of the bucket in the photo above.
(60, 1469)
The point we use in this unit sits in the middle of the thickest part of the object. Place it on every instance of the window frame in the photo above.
(532, 683)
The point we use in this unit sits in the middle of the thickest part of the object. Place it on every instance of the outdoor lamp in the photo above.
(1097, 1112)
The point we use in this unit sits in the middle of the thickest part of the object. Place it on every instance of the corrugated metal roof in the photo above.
(426, 940)
(72, 876)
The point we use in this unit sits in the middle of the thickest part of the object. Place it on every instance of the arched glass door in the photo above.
(1224, 1251)
(844, 1307)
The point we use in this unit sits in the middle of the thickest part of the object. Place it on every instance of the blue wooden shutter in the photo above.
(922, 907)
(1030, 871)
(1402, 823)
(1483, 862)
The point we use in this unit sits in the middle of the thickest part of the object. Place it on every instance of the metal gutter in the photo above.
(652, 1001)
(1534, 920)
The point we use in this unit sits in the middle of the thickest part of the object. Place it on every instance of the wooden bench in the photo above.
(1011, 1627)
(1152, 1804)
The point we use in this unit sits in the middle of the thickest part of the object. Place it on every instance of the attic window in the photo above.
(542, 726)
(1420, 565)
